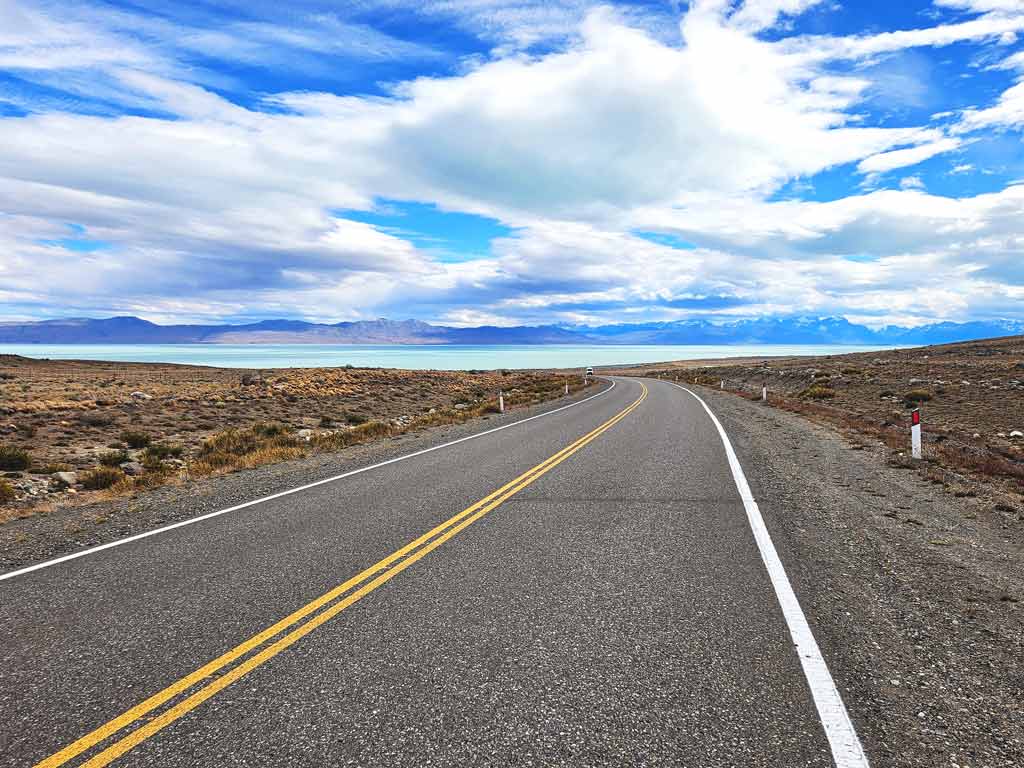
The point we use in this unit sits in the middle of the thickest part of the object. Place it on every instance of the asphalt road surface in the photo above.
(581, 589)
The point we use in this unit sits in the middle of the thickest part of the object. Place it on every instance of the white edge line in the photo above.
(847, 751)
(208, 515)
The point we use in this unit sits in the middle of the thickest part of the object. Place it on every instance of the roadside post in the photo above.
(567, 386)
(915, 433)
(764, 393)
(501, 401)
(721, 384)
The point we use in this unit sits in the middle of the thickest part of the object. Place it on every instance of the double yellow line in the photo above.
(362, 584)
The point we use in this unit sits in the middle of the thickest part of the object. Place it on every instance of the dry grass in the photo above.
(975, 399)
(73, 415)
(100, 478)
(14, 459)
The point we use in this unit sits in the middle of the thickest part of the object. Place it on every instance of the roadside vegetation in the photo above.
(971, 396)
(112, 438)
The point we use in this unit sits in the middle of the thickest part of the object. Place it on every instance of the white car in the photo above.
(590, 371)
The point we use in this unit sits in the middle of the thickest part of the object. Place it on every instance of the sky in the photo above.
(506, 162)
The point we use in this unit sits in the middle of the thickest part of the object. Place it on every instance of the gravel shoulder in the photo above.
(913, 594)
(67, 529)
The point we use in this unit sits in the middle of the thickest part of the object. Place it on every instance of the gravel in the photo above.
(913, 593)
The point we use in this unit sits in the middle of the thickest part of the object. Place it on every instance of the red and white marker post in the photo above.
(915, 433)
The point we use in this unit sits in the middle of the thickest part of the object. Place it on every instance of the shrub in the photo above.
(135, 439)
(237, 448)
(114, 458)
(162, 451)
(6, 491)
(13, 458)
(96, 419)
(915, 396)
(355, 419)
(269, 429)
(361, 434)
(98, 478)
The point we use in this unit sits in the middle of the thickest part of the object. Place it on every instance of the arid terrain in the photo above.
(971, 397)
(72, 431)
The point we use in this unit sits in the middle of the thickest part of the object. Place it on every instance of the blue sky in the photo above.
(490, 161)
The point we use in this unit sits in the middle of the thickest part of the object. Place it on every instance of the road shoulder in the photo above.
(69, 529)
(911, 593)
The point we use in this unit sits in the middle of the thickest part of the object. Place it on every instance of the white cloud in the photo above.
(619, 131)
(1008, 112)
(901, 158)
(755, 15)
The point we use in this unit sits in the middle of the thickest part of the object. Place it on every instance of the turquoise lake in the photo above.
(420, 357)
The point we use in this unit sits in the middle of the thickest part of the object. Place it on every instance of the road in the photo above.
(580, 589)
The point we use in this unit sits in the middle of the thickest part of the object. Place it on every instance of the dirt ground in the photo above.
(971, 398)
(139, 418)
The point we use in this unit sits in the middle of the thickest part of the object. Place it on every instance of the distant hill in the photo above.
(772, 330)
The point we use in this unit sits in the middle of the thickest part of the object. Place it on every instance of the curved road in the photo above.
(580, 589)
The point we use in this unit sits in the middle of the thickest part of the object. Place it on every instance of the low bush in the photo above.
(242, 448)
(365, 432)
(135, 439)
(14, 459)
(6, 491)
(163, 451)
(915, 396)
(99, 478)
(114, 458)
(54, 467)
(96, 419)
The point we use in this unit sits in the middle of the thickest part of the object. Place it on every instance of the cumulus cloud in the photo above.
(201, 206)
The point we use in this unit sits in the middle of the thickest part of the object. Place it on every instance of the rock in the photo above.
(918, 381)
(305, 434)
(965, 383)
(432, 410)
(141, 396)
(132, 468)
(64, 479)
(461, 406)
(251, 380)
(1017, 433)
(976, 436)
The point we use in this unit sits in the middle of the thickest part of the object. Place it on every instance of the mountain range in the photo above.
(770, 330)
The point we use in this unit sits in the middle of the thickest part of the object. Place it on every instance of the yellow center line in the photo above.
(385, 570)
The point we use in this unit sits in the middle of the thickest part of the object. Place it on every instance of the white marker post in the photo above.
(501, 401)
(764, 393)
(567, 386)
(722, 384)
(915, 433)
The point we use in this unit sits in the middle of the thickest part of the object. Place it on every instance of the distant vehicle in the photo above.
(590, 371)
